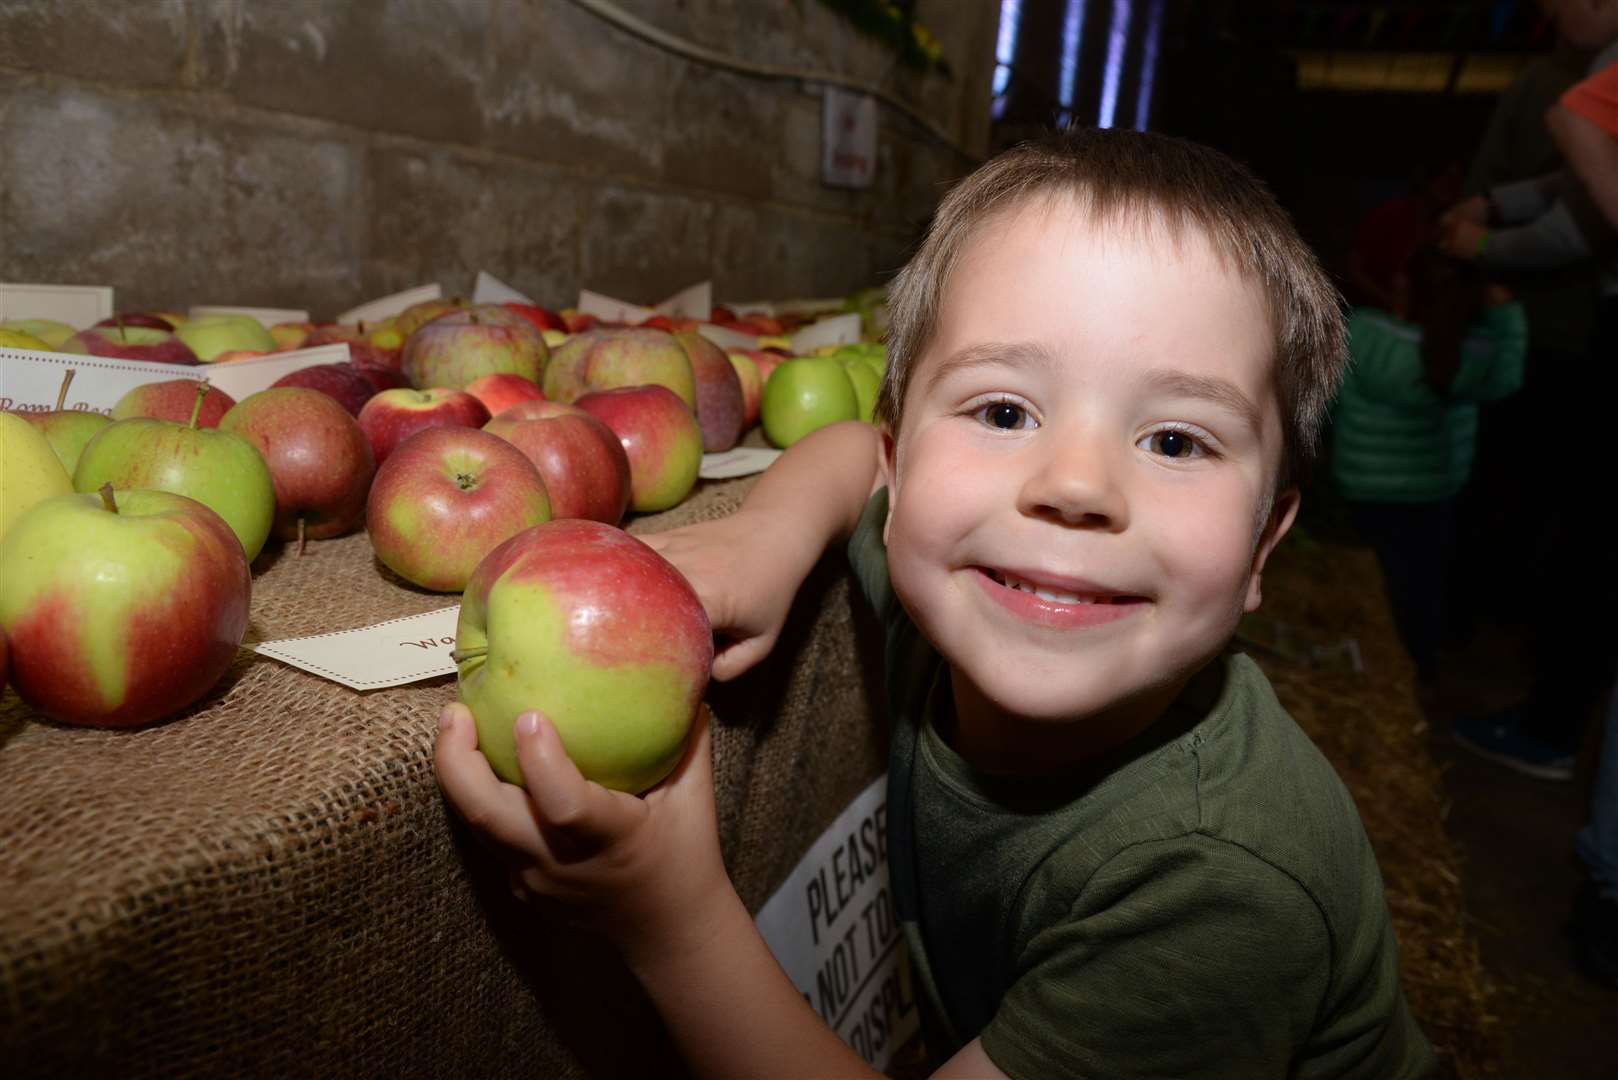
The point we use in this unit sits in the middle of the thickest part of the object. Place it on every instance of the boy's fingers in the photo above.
(577, 817)
(737, 657)
(495, 809)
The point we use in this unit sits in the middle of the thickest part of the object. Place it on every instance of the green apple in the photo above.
(120, 608)
(589, 625)
(29, 469)
(211, 335)
(805, 394)
(19, 339)
(220, 469)
(67, 430)
(866, 381)
(54, 334)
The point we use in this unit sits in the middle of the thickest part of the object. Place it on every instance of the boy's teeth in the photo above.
(1046, 594)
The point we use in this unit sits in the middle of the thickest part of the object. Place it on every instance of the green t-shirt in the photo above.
(1202, 903)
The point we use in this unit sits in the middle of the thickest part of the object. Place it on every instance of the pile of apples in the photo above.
(485, 448)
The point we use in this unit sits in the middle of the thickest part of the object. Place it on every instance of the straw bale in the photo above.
(1371, 728)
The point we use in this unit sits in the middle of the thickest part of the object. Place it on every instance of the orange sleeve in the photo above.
(1596, 99)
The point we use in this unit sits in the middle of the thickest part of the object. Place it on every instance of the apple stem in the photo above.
(301, 538)
(196, 407)
(61, 395)
(107, 499)
(459, 655)
(361, 327)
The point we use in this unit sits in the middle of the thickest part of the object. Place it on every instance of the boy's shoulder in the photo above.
(1244, 786)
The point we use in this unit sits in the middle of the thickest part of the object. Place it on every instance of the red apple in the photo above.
(345, 383)
(502, 390)
(542, 319)
(752, 386)
(721, 409)
(138, 318)
(445, 498)
(392, 416)
(660, 437)
(719, 314)
(607, 359)
(577, 322)
(319, 459)
(457, 348)
(380, 376)
(537, 409)
(766, 360)
(174, 399)
(131, 343)
(585, 467)
(591, 626)
(132, 621)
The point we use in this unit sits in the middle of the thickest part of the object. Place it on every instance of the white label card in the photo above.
(77, 305)
(491, 290)
(692, 302)
(835, 330)
(608, 309)
(32, 380)
(847, 139)
(737, 461)
(392, 653)
(267, 316)
(387, 307)
(726, 338)
(833, 929)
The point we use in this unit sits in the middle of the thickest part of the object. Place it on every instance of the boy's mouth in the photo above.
(1058, 595)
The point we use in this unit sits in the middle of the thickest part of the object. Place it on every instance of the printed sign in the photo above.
(391, 653)
(847, 139)
(737, 461)
(491, 290)
(267, 316)
(32, 380)
(833, 930)
(77, 305)
(388, 306)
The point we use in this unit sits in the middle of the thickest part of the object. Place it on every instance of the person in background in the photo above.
(1112, 852)
(1405, 427)
(1534, 226)
(1585, 126)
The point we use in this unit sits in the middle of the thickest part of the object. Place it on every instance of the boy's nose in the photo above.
(1075, 482)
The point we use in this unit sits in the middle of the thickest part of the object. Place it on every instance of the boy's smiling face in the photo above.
(1095, 418)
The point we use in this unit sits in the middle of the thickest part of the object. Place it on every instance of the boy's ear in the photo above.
(887, 476)
(1282, 514)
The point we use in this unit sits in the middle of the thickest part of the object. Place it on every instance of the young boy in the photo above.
(1113, 853)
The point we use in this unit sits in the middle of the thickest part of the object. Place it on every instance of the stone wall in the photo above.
(318, 153)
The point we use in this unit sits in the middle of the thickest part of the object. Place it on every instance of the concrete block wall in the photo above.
(318, 153)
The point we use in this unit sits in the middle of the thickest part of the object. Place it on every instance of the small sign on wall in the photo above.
(847, 139)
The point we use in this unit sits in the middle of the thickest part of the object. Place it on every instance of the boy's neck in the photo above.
(999, 744)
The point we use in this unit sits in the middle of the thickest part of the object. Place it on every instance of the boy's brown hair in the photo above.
(1129, 174)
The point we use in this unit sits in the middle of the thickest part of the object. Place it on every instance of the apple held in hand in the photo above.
(319, 459)
(131, 622)
(445, 498)
(221, 470)
(391, 417)
(589, 625)
(660, 437)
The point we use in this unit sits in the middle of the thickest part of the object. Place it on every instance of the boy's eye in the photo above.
(1174, 444)
(1005, 415)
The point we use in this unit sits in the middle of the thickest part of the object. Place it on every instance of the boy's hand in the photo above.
(640, 870)
(746, 569)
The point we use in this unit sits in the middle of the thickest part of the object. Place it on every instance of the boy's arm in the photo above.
(746, 568)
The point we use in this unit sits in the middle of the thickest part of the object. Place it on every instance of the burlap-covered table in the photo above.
(270, 884)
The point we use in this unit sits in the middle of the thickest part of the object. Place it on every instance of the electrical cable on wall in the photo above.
(612, 13)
